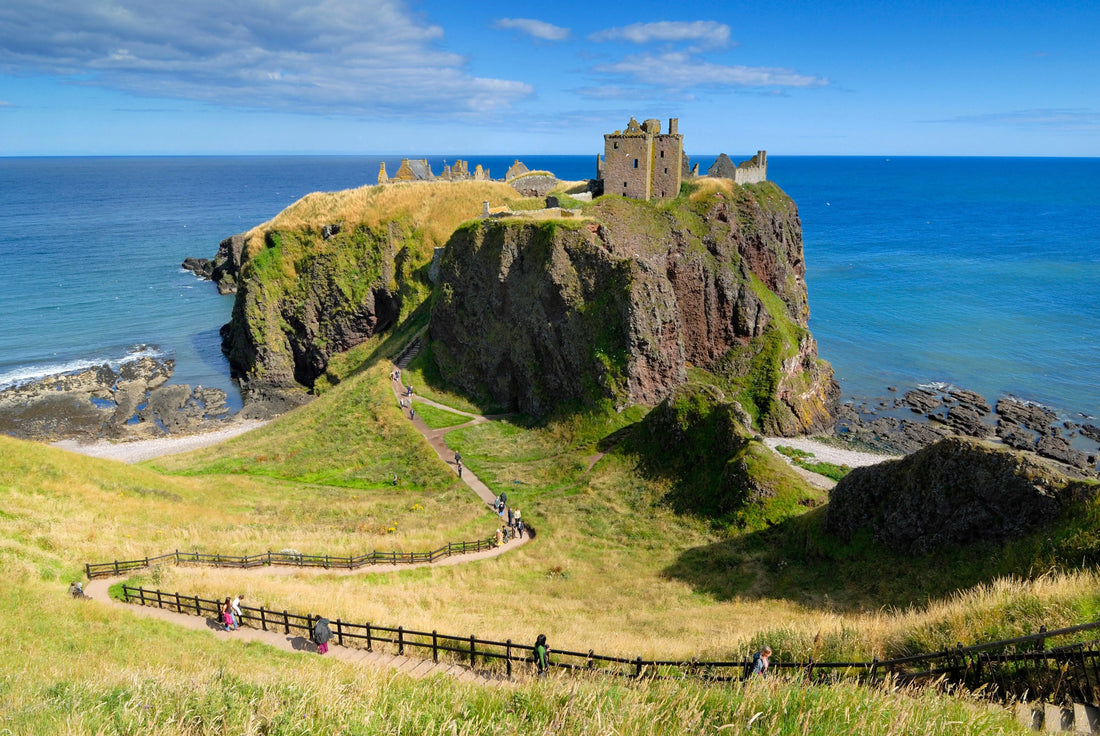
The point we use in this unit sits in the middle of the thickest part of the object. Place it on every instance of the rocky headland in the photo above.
(132, 401)
(615, 303)
(619, 305)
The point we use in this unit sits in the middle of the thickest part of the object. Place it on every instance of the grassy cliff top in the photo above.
(433, 208)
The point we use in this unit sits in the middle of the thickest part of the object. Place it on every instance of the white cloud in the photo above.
(323, 56)
(707, 32)
(678, 70)
(536, 28)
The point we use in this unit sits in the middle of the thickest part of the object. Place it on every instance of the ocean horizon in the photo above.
(976, 272)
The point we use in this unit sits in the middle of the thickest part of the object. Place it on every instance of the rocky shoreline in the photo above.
(133, 402)
(926, 414)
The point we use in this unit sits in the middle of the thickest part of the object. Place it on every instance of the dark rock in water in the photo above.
(100, 402)
(201, 267)
(921, 400)
(1058, 448)
(1091, 431)
(957, 491)
(226, 266)
(920, 434)
(1015, 436)
(966, 420)
(892, 389)
(1034, 417)
(971, 399)
(1069, 425)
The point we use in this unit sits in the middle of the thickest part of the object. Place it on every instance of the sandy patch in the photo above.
(135, 452)
(829, 454)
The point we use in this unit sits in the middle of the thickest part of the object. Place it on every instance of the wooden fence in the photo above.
(292, 559)
(1022, 667)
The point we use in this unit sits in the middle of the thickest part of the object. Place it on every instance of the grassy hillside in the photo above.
(606, 572)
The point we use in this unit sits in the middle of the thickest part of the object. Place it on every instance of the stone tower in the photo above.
(641, 162)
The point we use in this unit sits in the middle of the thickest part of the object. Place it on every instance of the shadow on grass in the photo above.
(796, 560)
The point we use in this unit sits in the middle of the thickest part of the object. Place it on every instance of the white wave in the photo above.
(27, 373)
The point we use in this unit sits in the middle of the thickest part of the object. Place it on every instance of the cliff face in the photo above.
(292, 313)
(535, 314)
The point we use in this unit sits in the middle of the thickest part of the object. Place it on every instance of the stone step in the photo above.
(408, 354)
(1049, 718)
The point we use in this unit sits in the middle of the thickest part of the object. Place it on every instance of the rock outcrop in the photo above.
(297, 305)
(957, 491)
(132, 402)
(540, 314)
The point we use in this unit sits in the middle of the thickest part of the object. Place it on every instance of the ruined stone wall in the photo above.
(753, 171)
(626, 168)
(668, 155)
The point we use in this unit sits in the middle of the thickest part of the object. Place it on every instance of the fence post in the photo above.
(400, 640)
(116, 569)
(473, 650)
(339, 633)
(179, 609)
(263, 618)
(591, 662)
(370, 645)
(435, 647)
(638, 667)
(874, 668)
(286, 621)
(160, 603)
(126, 593)
(198, 607)
(508, 656)
(177, 557)
(147, 562)
(88, 570)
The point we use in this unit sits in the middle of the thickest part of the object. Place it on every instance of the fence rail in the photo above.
(1006, 668)
(351, 562)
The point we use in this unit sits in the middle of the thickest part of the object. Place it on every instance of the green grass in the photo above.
(807, 460)
(437, 418)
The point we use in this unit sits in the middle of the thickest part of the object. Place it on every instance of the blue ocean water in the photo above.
(972, 271)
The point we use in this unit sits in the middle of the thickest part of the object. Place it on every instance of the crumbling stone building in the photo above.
(642, 162)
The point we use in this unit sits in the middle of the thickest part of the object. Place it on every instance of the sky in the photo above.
(399, 77)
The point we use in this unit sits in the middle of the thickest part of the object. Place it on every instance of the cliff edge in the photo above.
(619, 306)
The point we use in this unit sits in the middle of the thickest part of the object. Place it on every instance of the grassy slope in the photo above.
(613, 569)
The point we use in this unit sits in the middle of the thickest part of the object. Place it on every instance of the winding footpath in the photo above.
(97, 589)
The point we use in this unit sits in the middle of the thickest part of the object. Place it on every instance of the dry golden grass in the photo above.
(433, 208)
(705, 186)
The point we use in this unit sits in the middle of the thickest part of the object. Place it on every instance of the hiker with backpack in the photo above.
(542, 656)
(321, 634)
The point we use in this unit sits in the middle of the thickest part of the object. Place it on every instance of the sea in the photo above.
(980, 273)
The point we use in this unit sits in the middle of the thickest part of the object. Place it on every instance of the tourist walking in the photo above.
(235, 610)
(542, 656)
(227, 616)
(519, 522)
(760, 661)
(500, 536)
(321, 634)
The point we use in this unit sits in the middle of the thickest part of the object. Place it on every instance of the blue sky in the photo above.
(395, 77)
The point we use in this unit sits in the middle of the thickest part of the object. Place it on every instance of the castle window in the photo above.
(624, 185)
(662, 154)
(666, 169)
(635, 163)
(615, 145)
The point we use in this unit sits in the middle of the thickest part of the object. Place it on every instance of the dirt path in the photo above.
(97, 590)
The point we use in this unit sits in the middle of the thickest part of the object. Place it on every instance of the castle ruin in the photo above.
(641, 162)
(418, 169)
